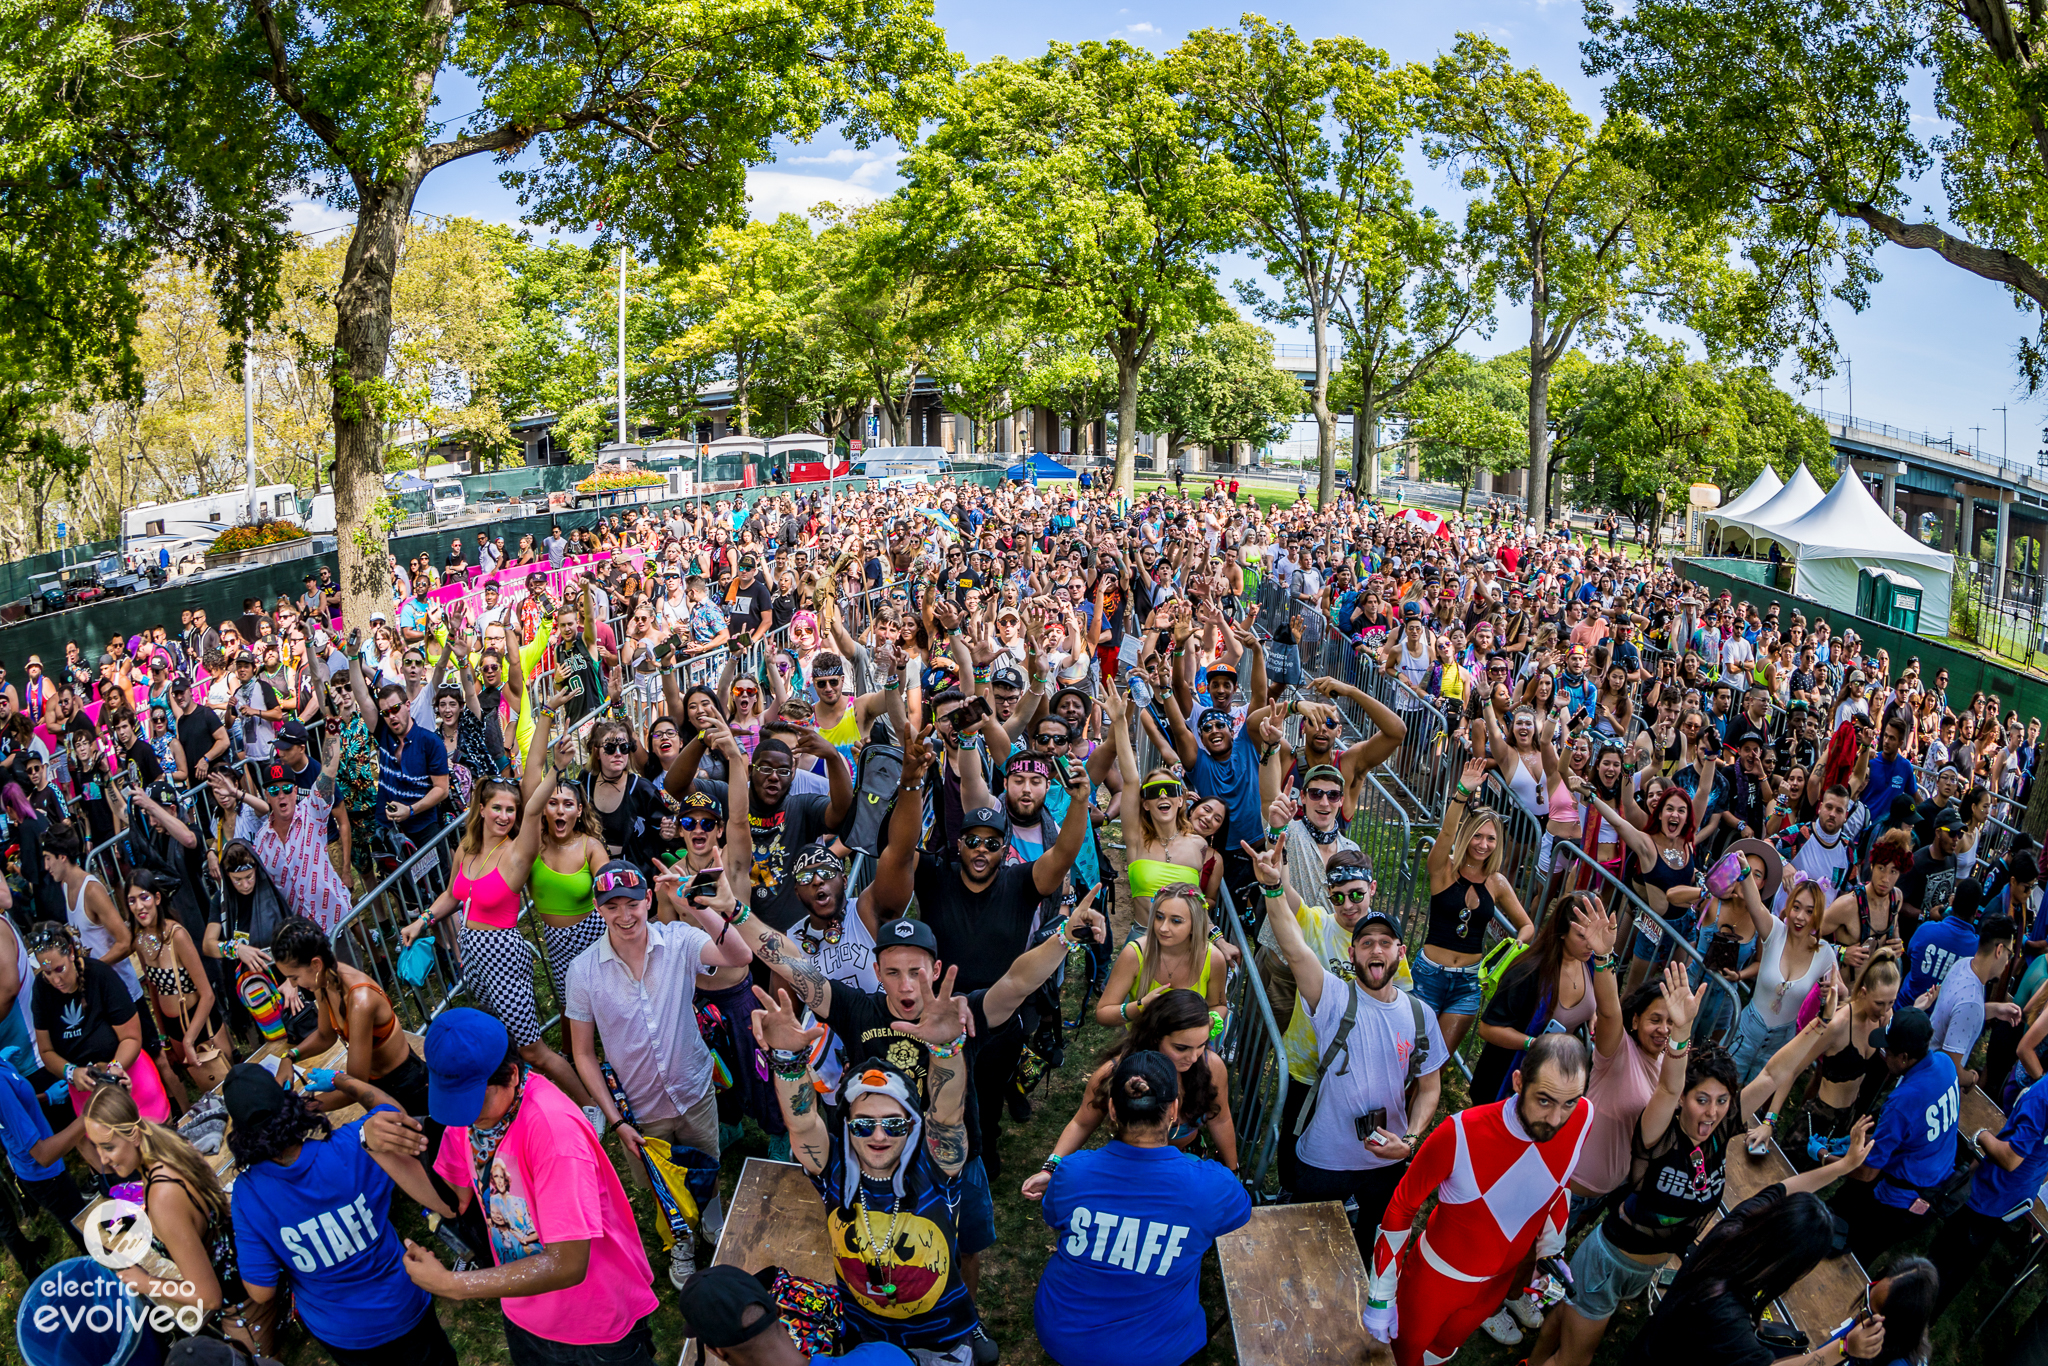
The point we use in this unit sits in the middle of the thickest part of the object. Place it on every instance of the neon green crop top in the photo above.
(561, 894)
(1148, 875)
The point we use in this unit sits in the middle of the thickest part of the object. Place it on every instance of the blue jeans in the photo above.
(975, 1220)
(1447, 991)
(1756, 1042)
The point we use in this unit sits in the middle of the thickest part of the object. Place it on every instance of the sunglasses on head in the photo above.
(895, 1126)
(982, 841)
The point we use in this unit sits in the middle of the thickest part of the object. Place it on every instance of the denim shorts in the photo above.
(1447, 991)
(975, 1220)
(1602, 1278)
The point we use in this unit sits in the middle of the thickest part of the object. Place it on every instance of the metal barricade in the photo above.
(1616, 894)
(1253, 1047)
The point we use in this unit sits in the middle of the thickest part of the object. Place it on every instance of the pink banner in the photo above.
(470, 592)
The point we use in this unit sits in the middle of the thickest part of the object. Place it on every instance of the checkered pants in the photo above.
(497, 972)
(565, 943)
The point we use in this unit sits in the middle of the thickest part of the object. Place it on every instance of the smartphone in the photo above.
(1067, 769)
(974, 711)
(1368, 1125)
(704, 885)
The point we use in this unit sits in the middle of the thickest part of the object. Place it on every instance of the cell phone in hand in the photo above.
(704, 885)
(971, 713)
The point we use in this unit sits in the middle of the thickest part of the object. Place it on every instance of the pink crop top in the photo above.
(490, 903)
(1564, 808)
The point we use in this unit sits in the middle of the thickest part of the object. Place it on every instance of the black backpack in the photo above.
(874, 792)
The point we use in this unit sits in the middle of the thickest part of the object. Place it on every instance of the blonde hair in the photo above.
(1461, 843)
(114, 1107)
(473, 828)
(1151, 955)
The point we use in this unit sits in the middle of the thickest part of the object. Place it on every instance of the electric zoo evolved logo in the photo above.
(117, 1236)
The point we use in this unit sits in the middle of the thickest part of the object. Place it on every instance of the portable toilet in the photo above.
(1890, 598)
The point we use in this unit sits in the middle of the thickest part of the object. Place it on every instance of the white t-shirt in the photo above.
(1382, 1038)
(1959, 1014)
(1777, 999)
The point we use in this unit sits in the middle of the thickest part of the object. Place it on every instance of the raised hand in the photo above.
(1270, 865)
(1681, 1002)
(778, 1025)
(939, 1016)
(1598, 925)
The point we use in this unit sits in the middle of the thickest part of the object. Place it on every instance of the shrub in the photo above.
(250, 536)
(615, 481)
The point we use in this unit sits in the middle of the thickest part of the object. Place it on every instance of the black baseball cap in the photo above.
(251, 1094)
(986, 817)
(715, 1304)
(1910, 1033)
(906, 933)
(1380, 914)
(292, 731)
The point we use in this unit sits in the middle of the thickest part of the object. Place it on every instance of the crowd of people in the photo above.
(812, 816)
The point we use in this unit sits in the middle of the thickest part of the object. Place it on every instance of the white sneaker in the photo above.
(1527, 1310)
(1501, 1328)
(682, 1260)
(596, 1118)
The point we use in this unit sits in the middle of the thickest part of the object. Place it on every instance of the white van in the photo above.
(449, 498)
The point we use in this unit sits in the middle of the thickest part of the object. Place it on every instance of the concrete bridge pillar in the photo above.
(1891, 492)
(1999, 554)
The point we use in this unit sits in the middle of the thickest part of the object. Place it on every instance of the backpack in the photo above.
(1342, 1045)
(874, 792)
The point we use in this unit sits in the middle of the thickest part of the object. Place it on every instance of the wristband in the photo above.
(1123, 1012)
(1771, 1117)
(1528, 1043)
(742, 915)
(1272, 893)
(1051, 1163)
(1677, 1046)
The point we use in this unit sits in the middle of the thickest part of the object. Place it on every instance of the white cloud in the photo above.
(1141, 30)
(772, 193)
(312, 216)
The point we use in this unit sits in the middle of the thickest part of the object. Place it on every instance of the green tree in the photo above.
(1217, 386)
(978, 367)
(1409, 306)
(755, 285)
(641, 114)
(1796, 119)
(1071, 378)
(1081, 184)
(1468, 418)
(1577, 233)
(1325, 206)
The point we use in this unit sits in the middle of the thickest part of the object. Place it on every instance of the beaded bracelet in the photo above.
(946, 1050)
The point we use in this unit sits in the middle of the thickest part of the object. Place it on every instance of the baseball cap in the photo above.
(251, 1094)
(905, 933)
(620, 880)
(1909, 1034)
(1950, 820)
(464, 1047)
(1006, 676)
(715, 1303)
(986, 817)
(1410, 609)
(1219, 667)
(1380, 914)
(292, 731)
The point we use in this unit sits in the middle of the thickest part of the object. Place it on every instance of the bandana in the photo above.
(817, 856)
(1347, 872)
(1025, 762)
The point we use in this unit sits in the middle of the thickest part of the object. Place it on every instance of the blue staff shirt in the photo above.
(1235, 780)
(1133, 1224)
(1996, 1191)
(22, 1126)
(327, 1217)
(1914, 1144)
(1936, 948)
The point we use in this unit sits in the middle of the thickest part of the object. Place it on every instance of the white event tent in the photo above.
(1847, 532)
(1787, 504)
(1756, 495)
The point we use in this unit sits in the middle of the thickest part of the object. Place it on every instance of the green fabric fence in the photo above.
(1967, 673)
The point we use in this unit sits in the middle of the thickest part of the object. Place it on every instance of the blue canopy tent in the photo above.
(1043, 466)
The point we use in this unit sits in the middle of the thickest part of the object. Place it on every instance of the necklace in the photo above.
(873, 1266)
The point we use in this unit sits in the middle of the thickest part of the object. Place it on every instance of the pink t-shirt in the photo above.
(1621, 1086)
(551, 1182)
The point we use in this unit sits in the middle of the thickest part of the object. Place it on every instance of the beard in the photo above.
(1537, 1129)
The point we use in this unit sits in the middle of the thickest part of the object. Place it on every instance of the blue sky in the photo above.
(1932, 352)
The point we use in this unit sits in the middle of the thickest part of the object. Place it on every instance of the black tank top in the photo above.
(1455, 925)
(1675, 1189)
(1664, 877)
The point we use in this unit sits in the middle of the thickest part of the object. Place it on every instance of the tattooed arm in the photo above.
(789, 962)
(776, 1027)
(938, 1026)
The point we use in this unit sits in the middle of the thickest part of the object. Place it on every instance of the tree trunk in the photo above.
(739, 387)
(362, 344)
(1539, 413)
(2036, 820)
(1326, 421)
(1127, 362)
(1365, 465)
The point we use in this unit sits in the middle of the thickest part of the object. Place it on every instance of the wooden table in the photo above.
(1823, 1297)
(1296, 1287)
(776, 1218)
